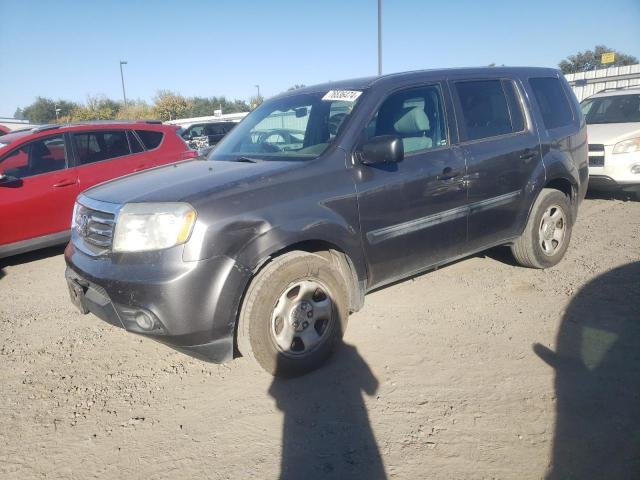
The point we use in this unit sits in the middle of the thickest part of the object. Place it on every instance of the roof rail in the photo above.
(43, 128)
(615, 89)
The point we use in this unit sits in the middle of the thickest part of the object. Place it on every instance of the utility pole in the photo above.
(124, 95)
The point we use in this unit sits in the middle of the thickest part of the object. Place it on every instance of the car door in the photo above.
(37, 197)
(102, 155)
(413, 213)
(502, 150)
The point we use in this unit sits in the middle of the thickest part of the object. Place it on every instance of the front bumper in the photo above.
(606, 183)
(616, 172)
(189, 305)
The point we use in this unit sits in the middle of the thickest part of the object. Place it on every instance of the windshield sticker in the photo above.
(343, 95)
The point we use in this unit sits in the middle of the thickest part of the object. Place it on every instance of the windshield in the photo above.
(296, 127)
(614, 109)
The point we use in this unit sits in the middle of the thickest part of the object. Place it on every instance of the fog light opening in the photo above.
(144, 321)
(635, 168)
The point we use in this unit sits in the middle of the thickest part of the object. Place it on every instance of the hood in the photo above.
(612, 133)
(184, 181)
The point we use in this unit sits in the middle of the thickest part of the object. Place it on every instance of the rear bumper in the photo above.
(191, 306)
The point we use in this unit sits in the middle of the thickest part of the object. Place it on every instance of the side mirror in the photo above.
(382, 149)
(301, 112)
(6, 179)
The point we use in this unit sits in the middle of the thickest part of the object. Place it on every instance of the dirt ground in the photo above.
(481, 369)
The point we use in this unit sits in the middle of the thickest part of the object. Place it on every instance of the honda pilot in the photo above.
(266, 247)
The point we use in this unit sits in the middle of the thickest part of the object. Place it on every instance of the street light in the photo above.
(123, 62)
(379, 37)
(258, 87)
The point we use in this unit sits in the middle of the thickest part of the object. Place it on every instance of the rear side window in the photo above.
(485, 110)
(151, 139)
(101, 145)
(134, 143)
(553, 102)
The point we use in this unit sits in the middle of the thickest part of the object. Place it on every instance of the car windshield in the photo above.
(295, 127)
(613, 109)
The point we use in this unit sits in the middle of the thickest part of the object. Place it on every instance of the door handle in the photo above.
(528, 154)
(64, 183)
(448, 173)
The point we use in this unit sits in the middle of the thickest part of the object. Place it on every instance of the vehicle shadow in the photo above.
(597, 364)
(609, 195)
(29, 257)
(326, 432)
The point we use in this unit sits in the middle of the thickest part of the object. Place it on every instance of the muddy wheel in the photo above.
(546, 237)
(294, 314)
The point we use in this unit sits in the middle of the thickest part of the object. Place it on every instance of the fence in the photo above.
(585, 84)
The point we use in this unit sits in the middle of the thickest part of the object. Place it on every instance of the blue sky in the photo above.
(71, 49)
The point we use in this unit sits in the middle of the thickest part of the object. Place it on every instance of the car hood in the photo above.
(612, 133)
(183, 182)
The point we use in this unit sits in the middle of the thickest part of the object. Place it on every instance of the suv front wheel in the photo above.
(294, 314)
(546, 237)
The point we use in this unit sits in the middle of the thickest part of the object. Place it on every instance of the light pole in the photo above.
(123, 62)
(258, 87)
(55, 106)
(379, 37)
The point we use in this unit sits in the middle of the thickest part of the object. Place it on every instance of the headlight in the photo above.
(152, 226)
(627, 146)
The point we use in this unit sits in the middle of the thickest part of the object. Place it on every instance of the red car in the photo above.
(42, 170)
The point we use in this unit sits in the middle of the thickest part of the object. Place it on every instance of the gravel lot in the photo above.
(477, 370)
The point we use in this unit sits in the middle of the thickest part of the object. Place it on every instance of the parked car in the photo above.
(613, 119)
(4, 130)
(42, 171)
(199, 136)
(273, 248)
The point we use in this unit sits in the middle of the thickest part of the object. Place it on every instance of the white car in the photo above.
(613, 119)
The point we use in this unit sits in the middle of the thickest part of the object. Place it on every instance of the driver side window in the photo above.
(415, 115)
(34, 158)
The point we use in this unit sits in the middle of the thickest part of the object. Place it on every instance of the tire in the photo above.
(548, 232)
(294, 313)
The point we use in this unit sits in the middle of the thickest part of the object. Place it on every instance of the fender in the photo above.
(309, 233)
(559, 173)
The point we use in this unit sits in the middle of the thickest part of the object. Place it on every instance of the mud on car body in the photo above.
(265, 250)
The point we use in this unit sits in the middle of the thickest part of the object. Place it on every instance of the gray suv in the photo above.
(323, 194)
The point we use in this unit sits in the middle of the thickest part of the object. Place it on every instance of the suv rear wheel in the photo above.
(294, 313)
(548, 232)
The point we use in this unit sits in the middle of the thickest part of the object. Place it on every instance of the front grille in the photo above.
(596, 155)
(95, 228)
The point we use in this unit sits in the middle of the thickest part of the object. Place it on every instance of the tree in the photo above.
(96, 108)
(256, 101)
(136, 110)
(591, 60)
(19, 114)
(296, 86)
(43, 110)
(170, 105)
(201, 106)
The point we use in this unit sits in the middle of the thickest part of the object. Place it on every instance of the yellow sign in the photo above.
(608, 57)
